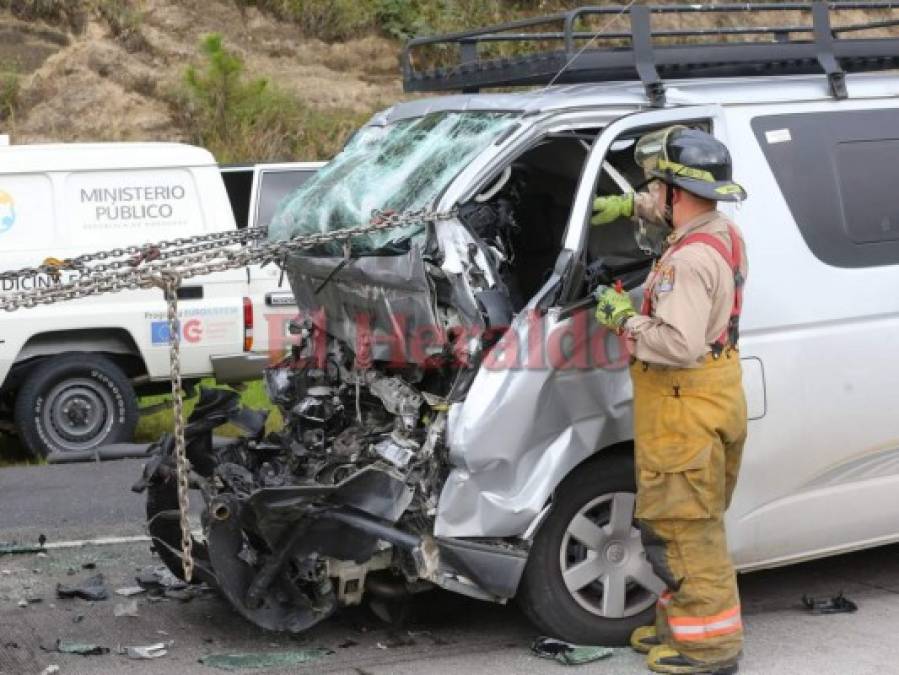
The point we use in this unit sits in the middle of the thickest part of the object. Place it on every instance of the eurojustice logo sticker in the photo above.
(7, 212)
(191, 331)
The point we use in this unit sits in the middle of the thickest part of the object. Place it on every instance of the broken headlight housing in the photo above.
(278, 382)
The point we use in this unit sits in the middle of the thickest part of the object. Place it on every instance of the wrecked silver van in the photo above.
(442, 384)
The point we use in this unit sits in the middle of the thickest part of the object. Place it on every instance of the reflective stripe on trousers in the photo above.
(701, 628)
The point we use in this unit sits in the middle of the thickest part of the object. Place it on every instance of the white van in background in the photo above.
(70, 373)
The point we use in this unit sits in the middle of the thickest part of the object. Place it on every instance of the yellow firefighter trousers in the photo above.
(690, 427)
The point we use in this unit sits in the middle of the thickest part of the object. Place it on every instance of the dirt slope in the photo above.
(89, 86)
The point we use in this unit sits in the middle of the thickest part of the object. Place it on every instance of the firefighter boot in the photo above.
(645, 638)
(665, 659)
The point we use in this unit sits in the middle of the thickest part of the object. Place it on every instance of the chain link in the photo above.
(165, 265)
(169, 283)
(134, 255)
(116, 277)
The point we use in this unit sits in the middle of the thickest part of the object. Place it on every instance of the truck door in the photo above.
(273, 304)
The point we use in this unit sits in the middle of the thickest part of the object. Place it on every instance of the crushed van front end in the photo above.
(411, 455)
(342, 500)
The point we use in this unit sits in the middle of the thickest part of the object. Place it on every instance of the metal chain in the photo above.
(165, 265)
(169, 283)
(96, 281)
(134, 255)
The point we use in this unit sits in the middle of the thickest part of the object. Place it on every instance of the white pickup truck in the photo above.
(71, 372)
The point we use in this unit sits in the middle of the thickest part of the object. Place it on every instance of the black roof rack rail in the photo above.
(791, 50)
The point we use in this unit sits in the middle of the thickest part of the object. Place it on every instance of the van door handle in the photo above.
(190, 293)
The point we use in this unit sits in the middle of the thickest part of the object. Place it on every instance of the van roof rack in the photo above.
(808, 48)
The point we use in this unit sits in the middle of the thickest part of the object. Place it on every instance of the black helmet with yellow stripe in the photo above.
(690, 159)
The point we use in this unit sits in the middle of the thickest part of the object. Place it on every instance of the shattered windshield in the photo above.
(399, 167)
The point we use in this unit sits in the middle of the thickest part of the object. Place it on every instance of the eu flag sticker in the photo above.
(159, 333)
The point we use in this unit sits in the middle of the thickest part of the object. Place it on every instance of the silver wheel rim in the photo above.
(602, 560)
(78, 414)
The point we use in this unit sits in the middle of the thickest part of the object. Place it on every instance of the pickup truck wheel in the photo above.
(75, 402)
(587, 579)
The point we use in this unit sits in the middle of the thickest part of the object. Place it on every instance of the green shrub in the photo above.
(400, 19)
(246, 119)
(9, 96)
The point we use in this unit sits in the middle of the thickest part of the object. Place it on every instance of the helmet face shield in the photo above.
(691, 159)
(652, 150)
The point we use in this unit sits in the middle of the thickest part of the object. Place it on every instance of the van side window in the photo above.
(274, 186)
(839, 173)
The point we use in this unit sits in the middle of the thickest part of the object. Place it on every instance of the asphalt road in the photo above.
(442, 633)
(70, 501)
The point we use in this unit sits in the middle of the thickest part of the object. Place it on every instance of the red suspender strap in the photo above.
(735, 261)
(733, 255)
(646, 307)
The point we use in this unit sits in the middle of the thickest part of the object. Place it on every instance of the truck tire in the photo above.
(75, 402)
(614, 591)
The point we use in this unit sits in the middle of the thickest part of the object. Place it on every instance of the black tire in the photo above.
(543, 595)
(73, 403)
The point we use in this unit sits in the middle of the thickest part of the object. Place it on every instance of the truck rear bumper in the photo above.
(234, 368)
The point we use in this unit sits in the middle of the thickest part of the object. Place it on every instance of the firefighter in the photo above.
(689, 406)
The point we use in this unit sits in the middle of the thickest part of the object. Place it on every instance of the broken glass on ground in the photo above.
(396, 167)
(72, 647)
(568, 654)
(20, 549)
(254, 660)
(92, 588)
(145, 652)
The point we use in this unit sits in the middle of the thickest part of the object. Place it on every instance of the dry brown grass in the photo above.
(105, 69)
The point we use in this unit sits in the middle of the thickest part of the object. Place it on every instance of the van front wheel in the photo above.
(587, 579)
(73, 403)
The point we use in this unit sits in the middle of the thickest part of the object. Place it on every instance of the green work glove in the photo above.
(613, 308)
(608, 209)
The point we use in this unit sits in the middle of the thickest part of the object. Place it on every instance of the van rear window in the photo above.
(839, 173)
(274, 186)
